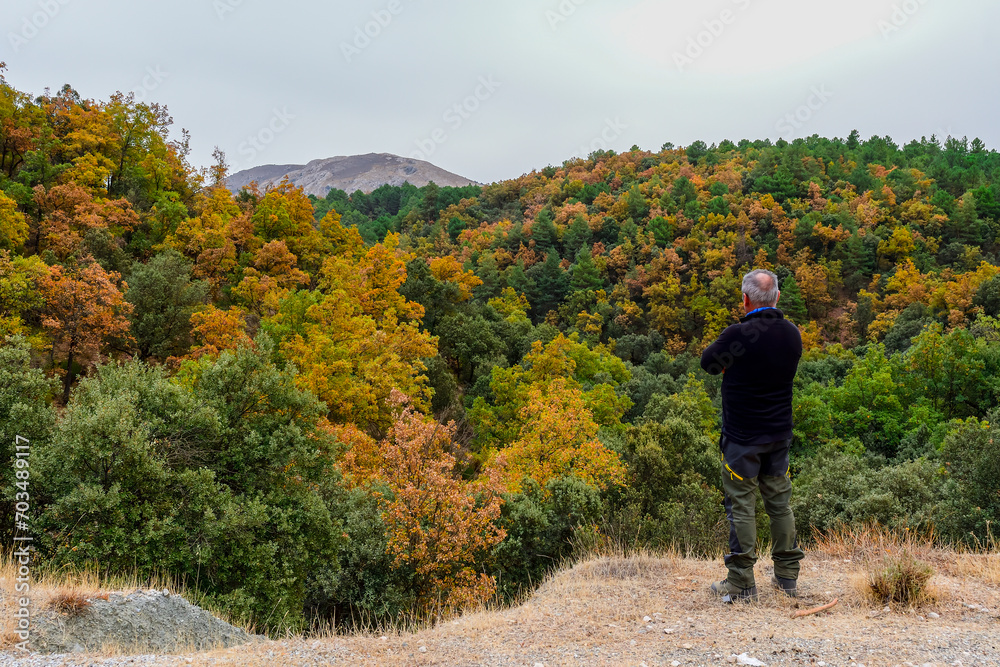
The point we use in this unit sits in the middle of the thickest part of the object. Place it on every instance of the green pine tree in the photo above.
(552, 283)
(585, 274)
(577, 236)
(791, 302)
(544, 231)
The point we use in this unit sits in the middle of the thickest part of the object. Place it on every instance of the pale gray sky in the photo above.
(491, 90)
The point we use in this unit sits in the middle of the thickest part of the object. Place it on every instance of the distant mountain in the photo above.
(349, 173)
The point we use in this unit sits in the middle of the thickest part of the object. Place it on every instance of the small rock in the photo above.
(633, 642)
(384, 638)
(745, 659)
(687, 646)
(932, 615)
(646, 619)
(873, 613)
(189, 660)
(675, 663)
(422, 649)
(166, 593)
(539, 664)
(668, 631)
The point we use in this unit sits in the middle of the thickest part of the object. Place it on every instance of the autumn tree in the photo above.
(84, 312)
(545, 414)
(440, 526)
(13, 226)
(357, 338)
(19, 290)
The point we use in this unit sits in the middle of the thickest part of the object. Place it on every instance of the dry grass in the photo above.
(981, 561)
(872, 541)
(901, 580)
(69, 601)
(893, 567)
(982, 566)
(593, 612)
(70, 591)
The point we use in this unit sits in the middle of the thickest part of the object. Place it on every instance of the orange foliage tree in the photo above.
(439, 525)
(84, 310)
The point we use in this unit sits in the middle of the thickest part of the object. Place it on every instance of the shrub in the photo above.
(541, 525)
(835, 488)
(225, 483)
(899, 579)
(24, 411)
(667, 500)
(971, 455)
(68, 601)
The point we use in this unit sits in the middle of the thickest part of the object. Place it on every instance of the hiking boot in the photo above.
(786, 586)
(731, 594)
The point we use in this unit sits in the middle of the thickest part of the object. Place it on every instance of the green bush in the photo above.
(835, 488)
(362, 589)
(543, 528)
(224, 482)
(971, 456)
(671, 497)
(25, 411)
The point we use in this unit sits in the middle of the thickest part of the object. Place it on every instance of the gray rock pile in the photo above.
(138, 622)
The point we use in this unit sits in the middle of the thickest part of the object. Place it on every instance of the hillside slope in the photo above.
(350, 174)
(594, 614)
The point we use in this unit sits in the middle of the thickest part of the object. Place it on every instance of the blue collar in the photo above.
(759, 310)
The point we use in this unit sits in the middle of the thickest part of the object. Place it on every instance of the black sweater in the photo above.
(759, 357)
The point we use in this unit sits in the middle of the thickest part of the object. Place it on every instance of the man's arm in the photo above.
(721, 354)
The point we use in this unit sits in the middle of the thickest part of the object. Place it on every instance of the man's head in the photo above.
(760, 290)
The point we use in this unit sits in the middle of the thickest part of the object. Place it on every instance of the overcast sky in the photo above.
(491, 90)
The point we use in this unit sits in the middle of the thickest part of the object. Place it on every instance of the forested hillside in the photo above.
(385, 405)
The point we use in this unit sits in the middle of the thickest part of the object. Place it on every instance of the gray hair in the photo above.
(761, 286)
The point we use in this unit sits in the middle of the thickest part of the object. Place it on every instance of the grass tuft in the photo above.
(69, 601)
(899, 579)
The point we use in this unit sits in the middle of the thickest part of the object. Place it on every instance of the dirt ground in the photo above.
(645, 610)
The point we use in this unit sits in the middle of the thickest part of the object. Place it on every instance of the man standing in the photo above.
(759, 357)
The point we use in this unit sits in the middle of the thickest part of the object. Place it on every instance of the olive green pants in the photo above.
(745, 470)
